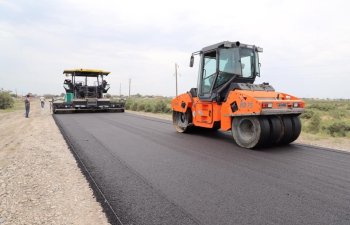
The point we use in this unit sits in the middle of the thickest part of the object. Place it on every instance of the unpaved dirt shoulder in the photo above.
(40, 182)
(338, 143)
(342, 144)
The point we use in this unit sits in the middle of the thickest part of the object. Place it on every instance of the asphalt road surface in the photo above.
(151, 174)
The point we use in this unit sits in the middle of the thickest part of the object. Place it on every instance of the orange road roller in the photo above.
(226, 98)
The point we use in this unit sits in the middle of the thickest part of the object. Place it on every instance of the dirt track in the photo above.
(40, 182)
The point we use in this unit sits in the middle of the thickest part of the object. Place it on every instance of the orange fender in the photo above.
(182, 102)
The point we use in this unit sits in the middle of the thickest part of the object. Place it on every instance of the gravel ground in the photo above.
(40, 182)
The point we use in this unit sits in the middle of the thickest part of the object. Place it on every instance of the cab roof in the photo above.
(228, 44)
(86, 72)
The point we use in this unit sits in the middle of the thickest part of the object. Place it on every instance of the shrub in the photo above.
(322, 106)
(141, 107)
(315, 123)
(338, 114)
(148, 108)
(159, 106)
(6, 101)
(149, 104)
(308, 114)
(339, 129)
(134, 106)
(167, 109)
(128, 103)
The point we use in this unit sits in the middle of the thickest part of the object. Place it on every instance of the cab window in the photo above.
(209, 72)
(247, 62)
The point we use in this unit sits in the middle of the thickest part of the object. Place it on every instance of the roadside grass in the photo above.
(18, 105)
(322, 118)
(149, 104)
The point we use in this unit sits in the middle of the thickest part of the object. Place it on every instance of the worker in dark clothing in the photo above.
(27, 105)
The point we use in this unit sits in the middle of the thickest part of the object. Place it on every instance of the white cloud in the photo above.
(306, 44)
(10, 5)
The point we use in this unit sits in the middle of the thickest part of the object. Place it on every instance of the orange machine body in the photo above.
(238, 103)
(227, 98)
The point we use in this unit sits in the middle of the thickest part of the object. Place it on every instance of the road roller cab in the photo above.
(226, 98)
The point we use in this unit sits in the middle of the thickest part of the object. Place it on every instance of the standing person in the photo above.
(42, 101)
(27, 105)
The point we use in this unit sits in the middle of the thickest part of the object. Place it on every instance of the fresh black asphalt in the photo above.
(150, 174)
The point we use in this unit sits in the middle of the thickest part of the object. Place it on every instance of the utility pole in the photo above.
(120, 89)
(129, 86)
(176, 66)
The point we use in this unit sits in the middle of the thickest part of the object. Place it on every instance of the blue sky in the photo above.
(306, 43)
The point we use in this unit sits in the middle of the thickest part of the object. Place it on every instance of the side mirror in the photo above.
(191, 61)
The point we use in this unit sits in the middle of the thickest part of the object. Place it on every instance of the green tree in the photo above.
(6, 101)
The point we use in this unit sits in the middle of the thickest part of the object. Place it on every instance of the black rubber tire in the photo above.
(296, 127)
(265, 132)
(182, 121)
(288, 130)
(250, 132)
(277, 129)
